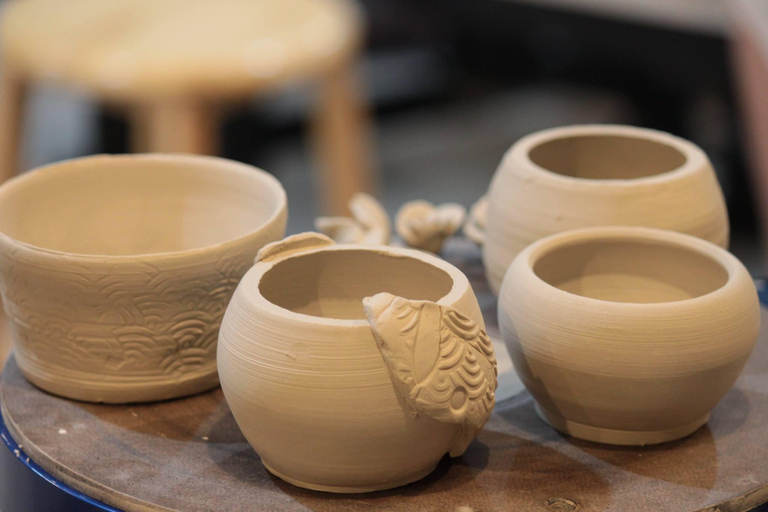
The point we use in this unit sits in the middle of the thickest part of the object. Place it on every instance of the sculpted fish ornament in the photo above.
(440, 361)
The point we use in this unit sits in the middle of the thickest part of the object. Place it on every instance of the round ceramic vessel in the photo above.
(116, 270)
(304, 378)
(627, 335)
(602, 175)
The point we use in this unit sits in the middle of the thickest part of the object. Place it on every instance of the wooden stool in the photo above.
(175, 63)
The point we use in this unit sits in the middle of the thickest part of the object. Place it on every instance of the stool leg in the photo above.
(176, 126)
(342, 135)
(12, 98)
(751, 73)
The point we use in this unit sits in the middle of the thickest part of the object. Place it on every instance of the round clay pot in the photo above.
(627, 335)
(343, 392)
(116, 270)
(581, 176)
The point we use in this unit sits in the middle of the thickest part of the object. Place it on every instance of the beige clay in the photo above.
(474, 228)
(627, 335)
(602, 175)
(441, 362)
(352, 368)
(116, 270)
(425, 226)
(368, 225)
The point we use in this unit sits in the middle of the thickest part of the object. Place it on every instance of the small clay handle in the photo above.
(474, 228)
(291, 245)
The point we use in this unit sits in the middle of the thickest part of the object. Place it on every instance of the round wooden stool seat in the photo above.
(175, 62)
(136, 49)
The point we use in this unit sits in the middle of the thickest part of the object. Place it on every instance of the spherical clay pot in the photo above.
(354, 368)
(627, 335)
(601, 175)
(116, 270)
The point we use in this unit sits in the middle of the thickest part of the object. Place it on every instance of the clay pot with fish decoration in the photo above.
(354, 368)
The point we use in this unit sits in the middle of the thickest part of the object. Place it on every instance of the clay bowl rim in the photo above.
(252, 280)
(728, 262)
(695, 158)
(221, 164)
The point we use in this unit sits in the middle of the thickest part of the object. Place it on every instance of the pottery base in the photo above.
(390, 484)
(121, 392)
(619, 437)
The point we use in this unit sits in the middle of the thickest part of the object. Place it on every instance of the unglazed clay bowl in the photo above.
(627, 335)
(354, 368)
(600, 175)
(116, 270)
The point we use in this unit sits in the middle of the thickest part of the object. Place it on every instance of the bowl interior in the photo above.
(630, 270)
(333, 284)
(603, 157)
(130, 206)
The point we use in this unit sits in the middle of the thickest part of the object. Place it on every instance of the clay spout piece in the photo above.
(441, 362)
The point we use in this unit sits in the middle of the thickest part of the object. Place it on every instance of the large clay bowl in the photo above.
(602, 175)
(627, 335)
(116, 270)
(302, 373)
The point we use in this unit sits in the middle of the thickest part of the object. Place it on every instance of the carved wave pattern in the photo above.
(464, 378)
(147, 320)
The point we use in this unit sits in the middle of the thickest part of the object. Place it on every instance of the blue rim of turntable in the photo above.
(762, 291)
(22, 457)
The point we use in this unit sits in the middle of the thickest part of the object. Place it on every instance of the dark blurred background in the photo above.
(455, 82)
